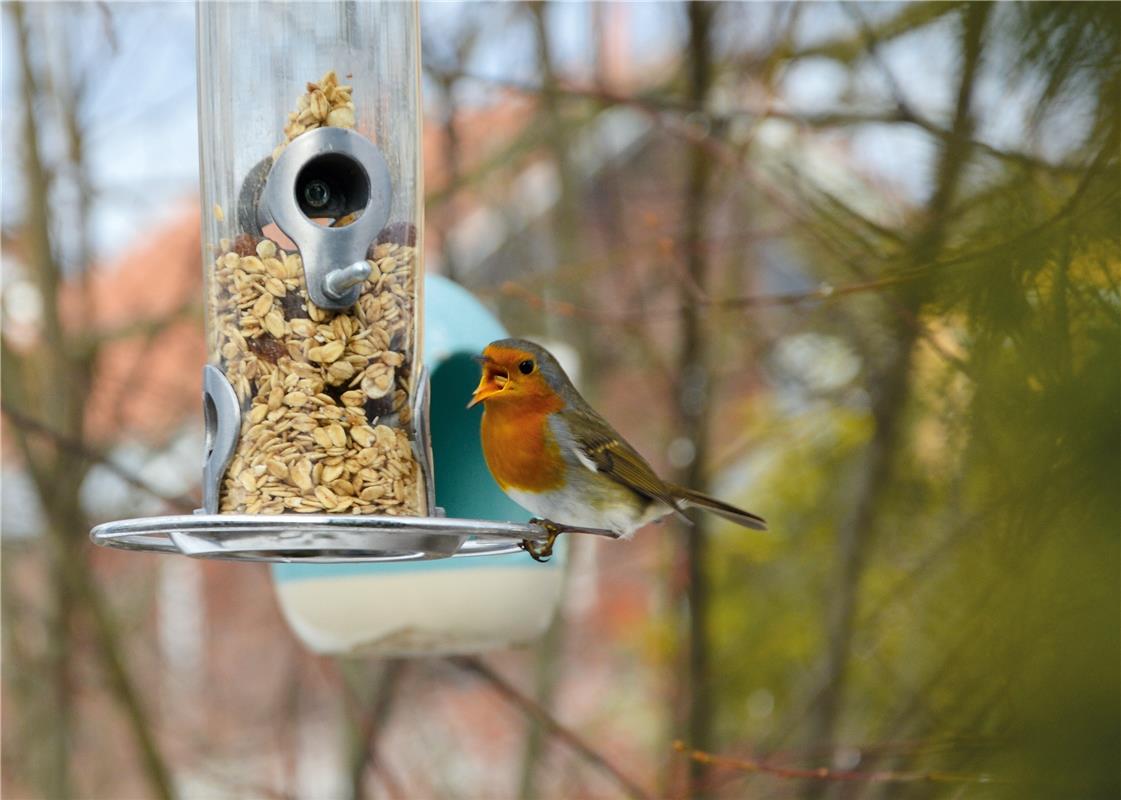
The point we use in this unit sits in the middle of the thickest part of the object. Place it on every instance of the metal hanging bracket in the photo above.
(330, 173)
(222, 413)
(422, 442)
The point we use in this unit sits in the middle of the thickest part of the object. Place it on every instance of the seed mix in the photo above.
(326, 396)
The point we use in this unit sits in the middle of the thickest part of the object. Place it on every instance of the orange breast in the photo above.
(519, 447)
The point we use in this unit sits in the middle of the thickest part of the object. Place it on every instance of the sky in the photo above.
(141, 112)
(139, 60)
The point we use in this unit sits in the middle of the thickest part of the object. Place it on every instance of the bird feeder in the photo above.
(316, 394)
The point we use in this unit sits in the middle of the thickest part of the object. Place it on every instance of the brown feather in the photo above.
(615, 458)
(719, 507)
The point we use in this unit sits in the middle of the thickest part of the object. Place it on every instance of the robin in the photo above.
(555, 456)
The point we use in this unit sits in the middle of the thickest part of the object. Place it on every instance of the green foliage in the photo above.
(986, 633)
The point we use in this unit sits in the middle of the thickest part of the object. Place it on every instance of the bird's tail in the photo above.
(725, 510)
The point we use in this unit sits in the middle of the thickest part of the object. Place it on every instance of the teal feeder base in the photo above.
(444, 606)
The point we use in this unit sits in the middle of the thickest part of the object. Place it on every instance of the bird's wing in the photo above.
(601, 450)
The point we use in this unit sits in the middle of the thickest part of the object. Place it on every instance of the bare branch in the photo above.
(77, 447)
(548, 722)
(142, 328)
(822, 293)
(656, 105)
(848, 49)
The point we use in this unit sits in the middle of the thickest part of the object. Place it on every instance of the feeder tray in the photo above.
(323, 538)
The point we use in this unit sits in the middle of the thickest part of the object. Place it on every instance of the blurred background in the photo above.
(854, 267)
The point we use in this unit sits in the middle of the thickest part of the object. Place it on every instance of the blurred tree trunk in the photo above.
(889, 400)
(693, 396)
(546, 677)
(50, 383)
(565, 224)
(567, 213)
(368, 705)
(451, 164)
(56, 407)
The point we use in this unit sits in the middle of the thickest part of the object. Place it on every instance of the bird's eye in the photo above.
(525, 367)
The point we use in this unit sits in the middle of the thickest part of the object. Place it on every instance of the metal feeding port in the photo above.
(316, 397)
(330, 173)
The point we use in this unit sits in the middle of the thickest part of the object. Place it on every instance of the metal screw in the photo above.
(340, 281)
(317, 193)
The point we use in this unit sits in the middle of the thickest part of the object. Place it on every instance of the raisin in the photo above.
(379, 408)
(245, 245)
(268, 347)
(294, 306)
(398, 233)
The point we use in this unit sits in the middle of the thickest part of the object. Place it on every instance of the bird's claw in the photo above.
(545, 552)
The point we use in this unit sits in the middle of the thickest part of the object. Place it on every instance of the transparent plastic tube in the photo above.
(326, 394)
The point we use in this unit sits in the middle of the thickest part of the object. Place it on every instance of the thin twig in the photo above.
(829, 774)
(821, 293)
(533, 710)
(658, 104)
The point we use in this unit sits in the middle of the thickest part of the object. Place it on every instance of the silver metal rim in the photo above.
(323, 538)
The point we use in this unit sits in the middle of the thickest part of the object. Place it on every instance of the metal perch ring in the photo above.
(327, 538)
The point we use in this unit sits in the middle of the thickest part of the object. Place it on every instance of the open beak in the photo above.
(492, 382)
